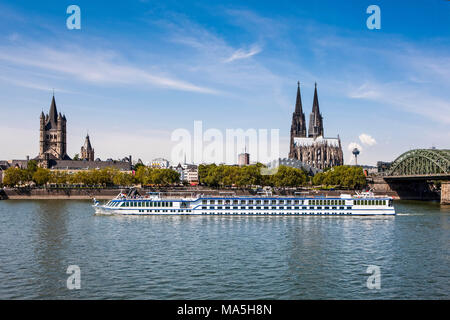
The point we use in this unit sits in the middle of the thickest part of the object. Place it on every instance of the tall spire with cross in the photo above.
(298, 126)
(315, 119)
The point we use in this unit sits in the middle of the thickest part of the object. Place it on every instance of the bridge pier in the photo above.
(445, 192)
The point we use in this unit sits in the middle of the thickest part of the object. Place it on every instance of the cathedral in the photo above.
(52, 143)
(53, 147)
(312, 148)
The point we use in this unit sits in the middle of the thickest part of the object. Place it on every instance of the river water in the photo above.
(205, 257)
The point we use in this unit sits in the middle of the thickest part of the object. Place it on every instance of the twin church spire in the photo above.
(298, 127)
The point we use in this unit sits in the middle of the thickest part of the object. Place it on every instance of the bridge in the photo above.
(416, 173)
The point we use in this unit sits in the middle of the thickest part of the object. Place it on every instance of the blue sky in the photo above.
(137, 70)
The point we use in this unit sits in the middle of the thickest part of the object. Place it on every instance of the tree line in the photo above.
(349, 177)
(253, 175)
(94, 177)
(211, 175)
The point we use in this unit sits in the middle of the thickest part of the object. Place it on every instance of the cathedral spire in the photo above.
(87, 143)
(298, 126)
(298, 102)
(316, 100)
(53, 114)
(315, 119)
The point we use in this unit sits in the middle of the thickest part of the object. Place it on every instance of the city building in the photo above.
(383, 166)
(243, 159)
(160, 163)
(312, 148)
(188, 172)
(87, 152)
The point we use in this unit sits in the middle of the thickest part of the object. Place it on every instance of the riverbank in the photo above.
(108, 193)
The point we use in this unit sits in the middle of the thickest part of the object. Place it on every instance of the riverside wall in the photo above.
(105, 193)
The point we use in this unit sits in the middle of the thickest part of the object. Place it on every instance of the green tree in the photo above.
(14, 176)
(41, 176)
(288, 177)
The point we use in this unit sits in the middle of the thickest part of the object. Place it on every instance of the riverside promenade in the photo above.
(108, 193)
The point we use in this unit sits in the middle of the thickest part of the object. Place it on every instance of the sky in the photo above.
(137, 71)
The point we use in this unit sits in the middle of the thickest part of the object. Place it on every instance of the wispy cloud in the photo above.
(243, 54)
(94, 66)
(408, 97)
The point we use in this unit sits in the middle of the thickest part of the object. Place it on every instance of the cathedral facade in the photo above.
(311, 147)
(53, 135)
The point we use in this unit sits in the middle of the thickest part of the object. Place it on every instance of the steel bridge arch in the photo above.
(421, 162)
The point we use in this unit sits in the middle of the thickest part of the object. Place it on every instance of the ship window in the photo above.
(250, 208)
(235, 202)
(250, 201)
(295, 201)
(258, 201)
(235, 208)
(227, 201)
(219, 201)
(266, 208)
(281, 202)
(211, 201)
(203, 201)
(242, 201)
(273, 201)
(266, 201)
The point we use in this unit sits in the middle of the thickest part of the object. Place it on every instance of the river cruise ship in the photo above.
(267, 205)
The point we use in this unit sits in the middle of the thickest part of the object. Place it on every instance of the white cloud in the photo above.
(367, 139)
(243, 54)
(100, 67)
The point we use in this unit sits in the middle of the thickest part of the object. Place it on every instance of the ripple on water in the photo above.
(221, 257)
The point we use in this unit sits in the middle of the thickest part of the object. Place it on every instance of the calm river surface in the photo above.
(202, 257)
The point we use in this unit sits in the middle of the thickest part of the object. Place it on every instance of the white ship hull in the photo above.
(249, 206)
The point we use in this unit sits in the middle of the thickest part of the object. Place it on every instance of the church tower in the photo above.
(87, 152)
(298, 127)
(315, 119)
(52, 137)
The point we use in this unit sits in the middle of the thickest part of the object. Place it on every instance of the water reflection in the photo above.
(50, 245)
(221, 257)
